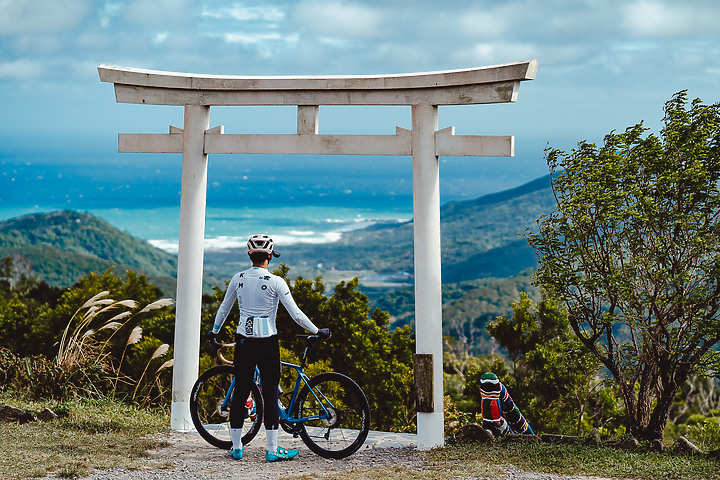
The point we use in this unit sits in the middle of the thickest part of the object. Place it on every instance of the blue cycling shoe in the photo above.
(280, 454)
(236, 453)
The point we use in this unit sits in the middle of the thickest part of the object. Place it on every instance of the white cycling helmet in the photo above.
(261, 243)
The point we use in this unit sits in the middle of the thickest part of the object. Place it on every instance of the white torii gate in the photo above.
(424, 92)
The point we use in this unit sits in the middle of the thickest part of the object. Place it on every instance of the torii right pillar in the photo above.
(428, 282)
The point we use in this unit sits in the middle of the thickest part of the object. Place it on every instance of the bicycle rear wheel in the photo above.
(344, 411)
(210, 412)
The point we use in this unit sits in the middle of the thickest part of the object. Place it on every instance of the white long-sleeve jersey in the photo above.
(257, 292)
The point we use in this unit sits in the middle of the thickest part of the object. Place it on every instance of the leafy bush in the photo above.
(705, 433)
(456, 419)
(90, 347)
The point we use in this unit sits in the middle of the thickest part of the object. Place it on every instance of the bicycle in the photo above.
(328, 411)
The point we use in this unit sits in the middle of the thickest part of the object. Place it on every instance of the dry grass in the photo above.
(506, 459)
(103, 434)
(436, 471)
(88, 337)
(94, 434)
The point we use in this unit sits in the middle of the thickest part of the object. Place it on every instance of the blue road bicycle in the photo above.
(328, 411)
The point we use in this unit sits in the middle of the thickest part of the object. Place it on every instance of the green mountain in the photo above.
(480, 239)
(60, 247)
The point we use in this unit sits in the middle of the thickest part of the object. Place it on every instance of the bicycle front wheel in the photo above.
(210, 407)
(334, 415)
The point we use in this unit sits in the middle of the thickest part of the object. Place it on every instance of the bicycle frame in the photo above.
(300, 379)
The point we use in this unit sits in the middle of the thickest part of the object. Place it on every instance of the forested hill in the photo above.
(485, 262)
(61, 247)
(480, 239)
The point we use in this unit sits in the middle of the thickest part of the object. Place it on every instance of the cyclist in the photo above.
(256, 343)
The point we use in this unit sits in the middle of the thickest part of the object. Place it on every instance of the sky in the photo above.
(604, 64)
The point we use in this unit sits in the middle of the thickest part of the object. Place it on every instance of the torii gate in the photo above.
(424, 92)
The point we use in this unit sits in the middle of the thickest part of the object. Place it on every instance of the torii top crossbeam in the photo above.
(423, 91)
(454, 87)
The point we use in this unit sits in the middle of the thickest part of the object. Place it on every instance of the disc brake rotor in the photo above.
(223, 412)
(331, 419)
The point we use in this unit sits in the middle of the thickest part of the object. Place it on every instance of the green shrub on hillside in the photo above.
(37, 377)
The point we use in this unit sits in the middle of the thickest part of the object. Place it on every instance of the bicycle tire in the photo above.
(344, 433)
(210, 420)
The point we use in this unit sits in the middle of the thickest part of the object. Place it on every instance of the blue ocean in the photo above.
(293, 198)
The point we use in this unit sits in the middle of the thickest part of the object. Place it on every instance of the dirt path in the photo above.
(189, 457)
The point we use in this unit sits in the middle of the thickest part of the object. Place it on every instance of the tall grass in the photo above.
(91, 336)
(133, 338)
(159, 352)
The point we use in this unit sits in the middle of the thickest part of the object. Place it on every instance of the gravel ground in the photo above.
(189, 457)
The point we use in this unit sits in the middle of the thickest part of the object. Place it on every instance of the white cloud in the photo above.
(160, 37)
(666, 19)
(20, 69)
(242, 13)
(482, 23)
(251, 39)
(41, 16)
(28, 46)
(108, 11)
(654, 19)
(598, 58)
(578, 37)
(482, 54)
(160, 13)
(340, 19)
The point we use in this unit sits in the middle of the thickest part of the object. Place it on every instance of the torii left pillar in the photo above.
(424, 92)
(190, 262)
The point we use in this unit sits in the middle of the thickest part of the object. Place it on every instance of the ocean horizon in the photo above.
(295, 199)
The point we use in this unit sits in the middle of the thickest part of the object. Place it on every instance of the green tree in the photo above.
(22, 301)
(633, 250)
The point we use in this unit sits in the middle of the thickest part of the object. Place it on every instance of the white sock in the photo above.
(272, 440)
(236, 437)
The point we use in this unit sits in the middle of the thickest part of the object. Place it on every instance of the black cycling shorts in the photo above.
(265, 354)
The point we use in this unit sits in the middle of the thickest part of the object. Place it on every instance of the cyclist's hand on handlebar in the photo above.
(324, 333)
(211, 337)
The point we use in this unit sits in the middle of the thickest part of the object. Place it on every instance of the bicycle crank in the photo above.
(291, 428)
